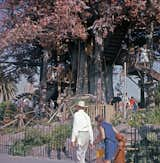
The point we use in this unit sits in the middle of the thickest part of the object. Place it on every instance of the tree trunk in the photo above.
(88, 74)
(108, 82)
(91, 76)
(43, 79)
(96, 85)
(94, 70)
(74, 63)
(82, 70)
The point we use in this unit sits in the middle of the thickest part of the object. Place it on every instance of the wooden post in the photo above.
(125, 90)
(142, 92)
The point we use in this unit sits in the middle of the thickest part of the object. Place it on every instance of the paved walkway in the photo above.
(4, 158)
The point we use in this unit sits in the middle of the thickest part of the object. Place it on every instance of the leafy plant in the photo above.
(117, 119)
(7, 109)
(157, 95)
(137, 119)
(60, 134)
(153, 116)
(35, 137)
(18, 148)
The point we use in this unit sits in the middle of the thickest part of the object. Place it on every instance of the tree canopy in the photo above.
(53, 23)
(56, 26)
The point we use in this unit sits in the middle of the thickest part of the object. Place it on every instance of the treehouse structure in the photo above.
(81, 72)
(124, 45)
(78, 71)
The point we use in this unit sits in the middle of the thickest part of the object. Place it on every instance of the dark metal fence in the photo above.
(145, 145)
(53, 141)
(41, 141)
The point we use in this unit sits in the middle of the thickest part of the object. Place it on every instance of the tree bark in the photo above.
(74, 63)
(96, 84)
(43, 79)
(94, 69)
(108, 82)
(88, 73)
(82, 70)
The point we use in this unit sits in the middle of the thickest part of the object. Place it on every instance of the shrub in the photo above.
(153, 116)
(36, 137)
(60, 134)
(137, 119)
(9, 112)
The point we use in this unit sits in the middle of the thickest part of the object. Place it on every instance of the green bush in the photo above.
(157, 95)
(36, 137)
(9, 112)
(60, 134)
(137, 119)
(117, 119)
(153, 116)
(18, 148)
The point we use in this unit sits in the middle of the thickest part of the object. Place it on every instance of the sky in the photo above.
(131, 88)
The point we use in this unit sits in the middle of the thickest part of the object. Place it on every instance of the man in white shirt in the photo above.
(82, 133)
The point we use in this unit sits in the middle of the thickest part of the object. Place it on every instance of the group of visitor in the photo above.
(124, 102)
(109, 139)
(139, 55)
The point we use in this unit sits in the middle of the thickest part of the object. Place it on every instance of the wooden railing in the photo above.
(107, 111)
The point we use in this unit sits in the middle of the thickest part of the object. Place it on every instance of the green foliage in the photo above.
(157, 95)
(18, 148)
(117, 119)
(36, 137)
(150, 143)
(148, 150)
(137, 119)
(152, 136)
(153, 116)
(9, 112)
(2, 109)
(60, 134)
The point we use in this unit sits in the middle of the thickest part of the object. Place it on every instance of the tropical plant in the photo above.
(7, 90)
(8, 86)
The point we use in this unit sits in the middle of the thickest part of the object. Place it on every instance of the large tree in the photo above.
(80, 26)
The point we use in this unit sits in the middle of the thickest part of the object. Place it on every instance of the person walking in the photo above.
(82, 133)
(108, 134)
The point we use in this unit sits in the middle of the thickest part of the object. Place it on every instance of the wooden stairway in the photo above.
(154, 74)
(112, 45)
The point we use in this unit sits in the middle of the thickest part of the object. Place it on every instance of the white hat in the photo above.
(82, 104)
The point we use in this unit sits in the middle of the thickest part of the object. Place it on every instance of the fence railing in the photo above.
(145, 145)
(107, 111)
(41, 141)
(51, 141)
